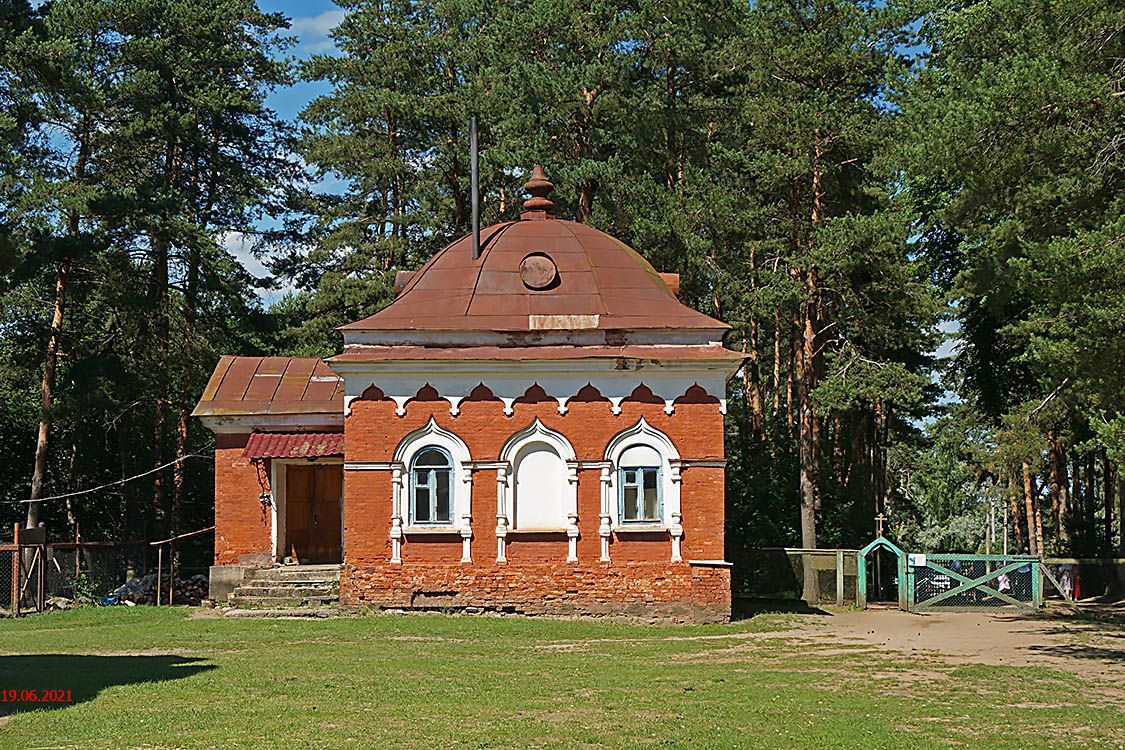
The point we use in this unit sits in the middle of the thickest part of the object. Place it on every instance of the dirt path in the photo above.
(1095, 649)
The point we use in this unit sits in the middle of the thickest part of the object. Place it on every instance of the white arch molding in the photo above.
(641, 436)
(540, 460)
(461, 487)
(511, 382)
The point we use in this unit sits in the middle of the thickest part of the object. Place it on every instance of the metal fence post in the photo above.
(839, 578)
(41, 578)
(1036, 585)
(861, 581)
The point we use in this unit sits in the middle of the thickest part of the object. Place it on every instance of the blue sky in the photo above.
(311, 22)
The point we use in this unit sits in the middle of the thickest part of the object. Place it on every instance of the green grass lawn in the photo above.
(151, 677)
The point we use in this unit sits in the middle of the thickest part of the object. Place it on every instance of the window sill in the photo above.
(642, 528)
(430, 530)
(536, 531)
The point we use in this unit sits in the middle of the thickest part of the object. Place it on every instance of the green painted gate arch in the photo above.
(881, 542)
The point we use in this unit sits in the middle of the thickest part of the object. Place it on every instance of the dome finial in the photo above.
(538, 206)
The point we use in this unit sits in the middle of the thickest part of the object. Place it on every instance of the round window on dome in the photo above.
(539, 272)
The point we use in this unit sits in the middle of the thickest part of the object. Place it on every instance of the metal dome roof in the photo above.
(538, 273)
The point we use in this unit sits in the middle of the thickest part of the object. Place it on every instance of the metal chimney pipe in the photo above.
(474, 169)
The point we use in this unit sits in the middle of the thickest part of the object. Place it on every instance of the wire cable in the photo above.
(110, 484)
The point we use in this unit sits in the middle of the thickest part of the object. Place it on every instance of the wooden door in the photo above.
(312, 512)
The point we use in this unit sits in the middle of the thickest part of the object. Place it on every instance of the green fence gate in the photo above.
(956, 581)
(968, 582)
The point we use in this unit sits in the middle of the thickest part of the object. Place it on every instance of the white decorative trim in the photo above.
(466, 539)
(396, 513)
(642, 433)
(561, 380)
(703, 463)
(537, 432)
(462, 485)
(501, 513)
(711, 563)
(371, 465)
(454, 404)
(677, 532)
(605, 529)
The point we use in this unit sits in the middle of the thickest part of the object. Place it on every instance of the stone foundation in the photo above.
(679, 592)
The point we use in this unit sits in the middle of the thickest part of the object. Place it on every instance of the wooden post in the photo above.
(839, 578)
(1036, 585)
(16, 555)
(171, 572)
(861, 581)
(41, 587)
(903, 604)
(159, 571)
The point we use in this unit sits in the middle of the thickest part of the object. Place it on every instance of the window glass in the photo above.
(640, 491)
(431, 484)
(630, 501)
(431, 457)
(442, 499)
(421, 498)
(652, 494)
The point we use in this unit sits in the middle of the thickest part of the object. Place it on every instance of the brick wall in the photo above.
(639, 580)
(242, 533)
(666, 591)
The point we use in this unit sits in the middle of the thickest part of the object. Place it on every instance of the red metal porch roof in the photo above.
(294, 444)
(271, 385)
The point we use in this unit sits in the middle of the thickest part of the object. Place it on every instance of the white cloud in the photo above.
(313, 31)
(239, 245)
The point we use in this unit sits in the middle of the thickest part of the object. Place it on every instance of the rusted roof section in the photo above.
(294, 444)
(271, 385)
(362, 353)
(597, 276)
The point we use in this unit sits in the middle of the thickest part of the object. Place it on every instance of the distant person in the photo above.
(1066, 580)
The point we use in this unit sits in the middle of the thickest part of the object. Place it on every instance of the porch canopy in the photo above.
(294, 444)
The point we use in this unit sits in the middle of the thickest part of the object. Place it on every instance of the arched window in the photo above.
(644, 479)
(431, 475)
(640, 485)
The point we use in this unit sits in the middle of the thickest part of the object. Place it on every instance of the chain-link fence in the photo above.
(6, 556)
(968, 582)
(778, 573)
(87, 571)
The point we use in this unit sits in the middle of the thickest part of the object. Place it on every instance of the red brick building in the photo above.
(539, 429)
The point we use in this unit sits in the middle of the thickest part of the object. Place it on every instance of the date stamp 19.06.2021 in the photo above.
(35, 696)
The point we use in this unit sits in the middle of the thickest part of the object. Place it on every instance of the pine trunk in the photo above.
(1108, 485)
(1056, 464)
(1034, 533)
(806, 439)
(51, 356)
(47, 392)
(1018, 540)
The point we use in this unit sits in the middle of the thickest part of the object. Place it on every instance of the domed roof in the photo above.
(538, 273)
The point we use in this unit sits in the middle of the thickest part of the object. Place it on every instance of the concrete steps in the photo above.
(288, 587)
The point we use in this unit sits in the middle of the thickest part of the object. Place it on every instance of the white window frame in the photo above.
(461, 484)
(642, 433)
(537, 432)
(639, 485)
(431, 487)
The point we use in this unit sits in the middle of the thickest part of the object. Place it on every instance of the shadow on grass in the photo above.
(744, 608)
(61, 680)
